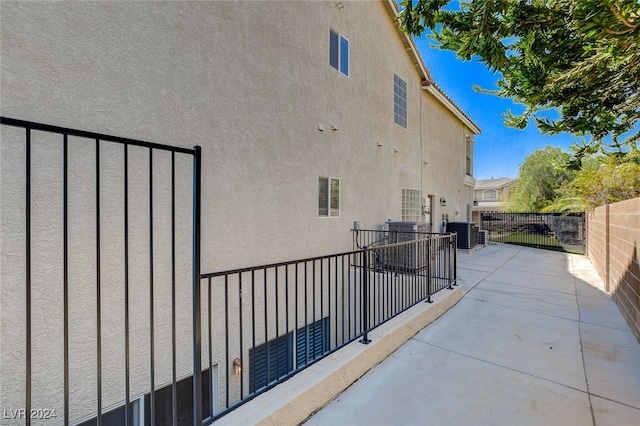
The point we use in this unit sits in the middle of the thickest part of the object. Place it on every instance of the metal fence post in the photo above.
(197, 355)
(364, 302)
(429, 270)
(454, 251)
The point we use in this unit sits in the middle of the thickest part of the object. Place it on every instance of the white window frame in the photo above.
(340, 65)
(486, 197)
(400, 102)
(468, 169)
(329, 211)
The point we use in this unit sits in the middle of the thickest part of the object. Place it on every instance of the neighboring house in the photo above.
(491, 195)
(310, 115)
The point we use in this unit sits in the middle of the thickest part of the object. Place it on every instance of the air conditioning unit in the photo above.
(467, 233)
(407, 231)
(483, 237)
(408, 257)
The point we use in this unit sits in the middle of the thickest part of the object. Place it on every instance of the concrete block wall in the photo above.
(612, 246)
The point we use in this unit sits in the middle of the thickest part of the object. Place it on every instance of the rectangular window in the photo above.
(339, 52)
(490, 194)
(411, 205)
(140, 407)
(329, 197)
(399, 101)
(469, 157)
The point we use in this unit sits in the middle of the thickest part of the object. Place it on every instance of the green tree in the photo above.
(611, 179)
(580, 58)
(540, 176)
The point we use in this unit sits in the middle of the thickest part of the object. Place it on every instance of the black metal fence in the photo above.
(551, 231)
(107, 319)
(273, 321)
(100, 245)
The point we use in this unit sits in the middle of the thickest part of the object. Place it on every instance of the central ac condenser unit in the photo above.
(467, 233)
(410, 256)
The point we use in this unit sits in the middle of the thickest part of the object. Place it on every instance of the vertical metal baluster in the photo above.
(286, 304)
(174, 388)
(152, 372)
(127, 380)
(27, 403)
(429, 269)
(306, 298)
(266, 331)
(253, 325)
(336, 301)
(321, 291)
(313, 299)
(240, 333)
(65, 267)
(295, 324)
(195, 288)
(226, 332)
(365, 298)
(342, 298)
(277, 326)
(454, 250)
(127, 384)
(328, 289)
(212, 409)
(98, 289)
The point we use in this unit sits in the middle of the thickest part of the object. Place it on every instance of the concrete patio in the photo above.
(534, 341)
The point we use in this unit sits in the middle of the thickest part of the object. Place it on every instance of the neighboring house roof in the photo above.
(428, 83)
(494, 183)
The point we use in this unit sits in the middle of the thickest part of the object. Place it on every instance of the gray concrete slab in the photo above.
(536, 341)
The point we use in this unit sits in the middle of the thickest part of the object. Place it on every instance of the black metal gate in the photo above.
(551, 231)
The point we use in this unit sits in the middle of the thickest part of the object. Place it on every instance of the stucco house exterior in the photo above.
(310, 115)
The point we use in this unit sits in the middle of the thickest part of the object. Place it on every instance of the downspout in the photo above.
(425, 83)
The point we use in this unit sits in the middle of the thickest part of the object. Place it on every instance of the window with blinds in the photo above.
(329, 197)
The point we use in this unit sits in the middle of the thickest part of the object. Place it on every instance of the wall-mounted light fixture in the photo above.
(334, 127)
(379, 144)
(443, 202)
(237, 366)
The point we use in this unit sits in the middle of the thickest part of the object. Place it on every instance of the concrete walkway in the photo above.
(534, 341)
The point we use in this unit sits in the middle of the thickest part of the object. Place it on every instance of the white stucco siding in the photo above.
(444, 149)
(189, 74)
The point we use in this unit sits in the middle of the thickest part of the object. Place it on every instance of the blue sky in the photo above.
(499, 150)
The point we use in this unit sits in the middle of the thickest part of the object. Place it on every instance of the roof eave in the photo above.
(430, 85)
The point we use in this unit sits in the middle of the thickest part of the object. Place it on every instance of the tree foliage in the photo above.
(541, 174)
(580, 58)
(609, 180)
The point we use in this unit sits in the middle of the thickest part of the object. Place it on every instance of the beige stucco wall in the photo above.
(249, 82)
